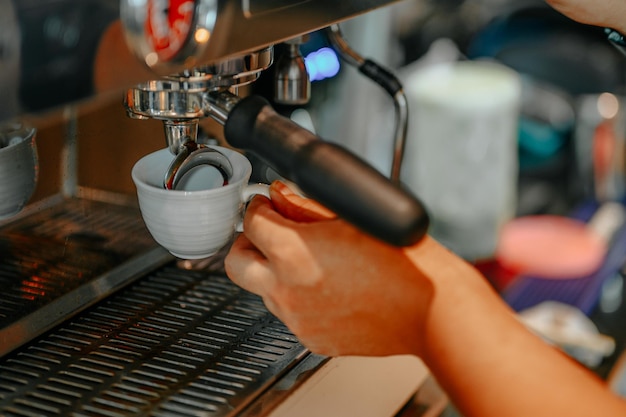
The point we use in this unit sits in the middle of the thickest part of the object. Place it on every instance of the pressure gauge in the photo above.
(175, 36)
(168, 25)
(169, 35)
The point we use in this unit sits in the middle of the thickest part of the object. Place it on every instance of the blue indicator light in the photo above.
(311, 67)
(322, 64)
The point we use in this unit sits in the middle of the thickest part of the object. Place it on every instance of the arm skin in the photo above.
(344, 293)
(605, 13)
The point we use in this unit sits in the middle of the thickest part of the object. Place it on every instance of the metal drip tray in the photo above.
(61, 257)
(97, 320)
(175, 343)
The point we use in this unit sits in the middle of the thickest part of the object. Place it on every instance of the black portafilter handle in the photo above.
(328, 173)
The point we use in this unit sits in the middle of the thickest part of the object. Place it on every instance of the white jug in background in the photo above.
(461, 152)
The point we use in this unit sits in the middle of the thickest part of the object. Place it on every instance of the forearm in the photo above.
(487, 362)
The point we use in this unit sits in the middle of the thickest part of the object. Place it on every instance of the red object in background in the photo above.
(168, 25)
(603, 151)
(550, 247)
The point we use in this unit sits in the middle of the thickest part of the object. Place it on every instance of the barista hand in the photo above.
(323, 278)
(342, 292)
(611, 13)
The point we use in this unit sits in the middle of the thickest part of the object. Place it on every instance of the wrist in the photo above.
(456, 289)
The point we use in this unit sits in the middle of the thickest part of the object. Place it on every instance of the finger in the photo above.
(295, 207)
(248, 268)
(267, 229)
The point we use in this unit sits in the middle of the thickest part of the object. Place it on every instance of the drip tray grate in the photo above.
(58, 259)
(174, 343)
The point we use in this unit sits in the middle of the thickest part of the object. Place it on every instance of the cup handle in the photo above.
(247, 193)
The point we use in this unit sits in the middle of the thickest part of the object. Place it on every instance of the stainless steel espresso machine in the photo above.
(95, 318)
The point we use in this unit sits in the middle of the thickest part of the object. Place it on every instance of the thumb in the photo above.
(295, 207)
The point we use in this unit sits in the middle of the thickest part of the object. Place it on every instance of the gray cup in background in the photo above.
(19, 167)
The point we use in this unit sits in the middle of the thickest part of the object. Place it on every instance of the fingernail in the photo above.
(281, 187)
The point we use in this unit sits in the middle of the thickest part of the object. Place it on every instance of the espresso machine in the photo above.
(96, 318)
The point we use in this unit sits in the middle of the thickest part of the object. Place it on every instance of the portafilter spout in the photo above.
(179, 132)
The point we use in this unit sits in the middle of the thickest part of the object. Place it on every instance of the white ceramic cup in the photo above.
(461, 151)
(19, 167)
(201, 216)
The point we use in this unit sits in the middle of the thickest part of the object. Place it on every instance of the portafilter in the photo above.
(178, 38)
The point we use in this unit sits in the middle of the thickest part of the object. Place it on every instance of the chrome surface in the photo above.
(292, 85)
(339, 43)
(219, 105)
(178, 132)
(181, 96)
(401, 109)
(400, 103)
(59, 259)
(175, 343)
(178, 98)
(164, 100)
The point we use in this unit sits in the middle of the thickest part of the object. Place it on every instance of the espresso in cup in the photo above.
(200, 216)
